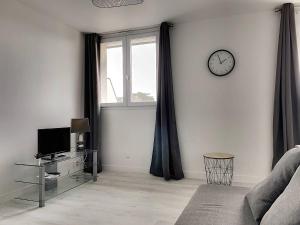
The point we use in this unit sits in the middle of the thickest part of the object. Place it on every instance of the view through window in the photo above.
(143, 69)
(112, 72)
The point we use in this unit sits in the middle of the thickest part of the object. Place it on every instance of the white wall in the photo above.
(229, 114)
(40, 82)
(127, 138)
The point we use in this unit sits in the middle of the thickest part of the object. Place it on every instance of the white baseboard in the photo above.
(126, 169)
(246, 180)
(238, 179)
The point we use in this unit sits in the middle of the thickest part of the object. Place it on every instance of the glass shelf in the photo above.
(45, 179)
(59, 186)
(34, 179)
(61, 157)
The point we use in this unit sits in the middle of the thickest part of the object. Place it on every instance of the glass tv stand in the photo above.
(41, 180)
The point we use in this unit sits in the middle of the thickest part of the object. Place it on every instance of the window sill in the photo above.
(129, 107)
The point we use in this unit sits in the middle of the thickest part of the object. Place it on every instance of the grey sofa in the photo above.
(217, 205)
(274, 201)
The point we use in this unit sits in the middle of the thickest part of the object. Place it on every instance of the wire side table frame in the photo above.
(219, 168)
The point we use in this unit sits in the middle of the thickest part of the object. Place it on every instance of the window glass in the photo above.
(112, 72)
(143, 69)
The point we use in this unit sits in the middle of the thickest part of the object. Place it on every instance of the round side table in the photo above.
(218, 168)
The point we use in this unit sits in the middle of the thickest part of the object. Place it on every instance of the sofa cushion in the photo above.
(263, 195)
(217, 205)
(286, 209)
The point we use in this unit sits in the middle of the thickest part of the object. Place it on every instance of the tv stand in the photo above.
(65, 173)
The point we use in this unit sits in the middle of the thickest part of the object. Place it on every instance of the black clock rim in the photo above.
(219, 50)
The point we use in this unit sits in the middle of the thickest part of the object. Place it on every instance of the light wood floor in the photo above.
(116, 199)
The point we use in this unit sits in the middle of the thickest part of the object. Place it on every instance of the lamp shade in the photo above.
(80, 125)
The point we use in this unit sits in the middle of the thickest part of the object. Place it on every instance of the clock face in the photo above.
(221, 62)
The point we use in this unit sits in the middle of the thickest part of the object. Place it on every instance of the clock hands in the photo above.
(219, 59)
(223, 61)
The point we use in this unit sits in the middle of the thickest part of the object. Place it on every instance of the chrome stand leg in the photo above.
(95, 165)
(42, 186)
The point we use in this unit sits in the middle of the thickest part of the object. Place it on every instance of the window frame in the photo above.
(126, 38)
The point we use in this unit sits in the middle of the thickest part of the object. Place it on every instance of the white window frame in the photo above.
(126, 37)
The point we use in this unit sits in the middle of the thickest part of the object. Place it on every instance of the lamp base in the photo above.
(80, 146)
(79, 142)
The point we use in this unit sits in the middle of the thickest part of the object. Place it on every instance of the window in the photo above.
(129, 70)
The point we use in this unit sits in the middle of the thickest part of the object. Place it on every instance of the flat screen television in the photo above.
(53, 141)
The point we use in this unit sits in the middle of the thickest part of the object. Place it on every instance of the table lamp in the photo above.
(80, 127)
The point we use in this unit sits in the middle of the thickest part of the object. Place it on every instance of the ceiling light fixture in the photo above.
(115, 3)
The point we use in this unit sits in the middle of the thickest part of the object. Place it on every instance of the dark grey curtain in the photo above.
(166, 160)
(286, 125)
(91, 94)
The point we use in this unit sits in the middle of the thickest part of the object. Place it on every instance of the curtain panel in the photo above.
(286, 126)
(91, 95)
(166, 160)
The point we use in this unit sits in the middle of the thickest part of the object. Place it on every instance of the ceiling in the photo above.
(83, 16)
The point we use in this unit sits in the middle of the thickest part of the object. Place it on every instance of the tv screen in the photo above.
(55, 140)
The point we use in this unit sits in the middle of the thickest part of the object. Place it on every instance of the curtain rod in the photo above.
(278, 9)
(155, 27)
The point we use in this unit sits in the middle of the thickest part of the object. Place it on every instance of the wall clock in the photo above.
(221, 62)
